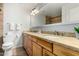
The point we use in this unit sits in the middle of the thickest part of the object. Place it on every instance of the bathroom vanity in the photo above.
(37, 44)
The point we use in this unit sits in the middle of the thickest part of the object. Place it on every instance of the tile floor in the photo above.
(20, 52)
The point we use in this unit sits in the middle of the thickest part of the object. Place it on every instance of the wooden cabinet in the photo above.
(29, 51)
(29, 47)
(45, 44)
(38, 47)
(34, 46)
(24, 40)
(37, 50)
(62, 51)
(47, 53)
(33, 38)
(28, 44)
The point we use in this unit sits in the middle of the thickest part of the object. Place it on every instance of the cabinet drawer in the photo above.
(47, 53)
(33, 38)
(45, 44)
(62, 51)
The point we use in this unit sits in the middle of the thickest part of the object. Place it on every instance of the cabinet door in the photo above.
(62, 51)
(29, 51)
(47, 53)
(37, 50)
(24, 40)
(28, 44)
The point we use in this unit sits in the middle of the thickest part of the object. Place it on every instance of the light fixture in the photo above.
(37, 8)
(34, 12)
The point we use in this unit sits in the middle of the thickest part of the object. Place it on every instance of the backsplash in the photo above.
(61, 29)
(67, 34)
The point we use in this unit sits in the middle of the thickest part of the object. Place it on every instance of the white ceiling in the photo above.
(28, 6)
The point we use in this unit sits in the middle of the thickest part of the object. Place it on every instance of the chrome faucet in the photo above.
(39, 31)
(56, 33)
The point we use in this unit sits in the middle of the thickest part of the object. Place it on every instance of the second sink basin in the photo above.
(49, 36)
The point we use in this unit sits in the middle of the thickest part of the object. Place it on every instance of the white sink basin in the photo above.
(49, 36)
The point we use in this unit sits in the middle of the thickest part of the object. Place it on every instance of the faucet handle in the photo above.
(39, 31)
(56, 33)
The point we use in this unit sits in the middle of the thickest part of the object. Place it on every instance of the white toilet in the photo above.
(10, 40)
(9, 43)
(8, 49)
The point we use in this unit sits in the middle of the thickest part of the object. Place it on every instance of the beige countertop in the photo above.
(69, 42)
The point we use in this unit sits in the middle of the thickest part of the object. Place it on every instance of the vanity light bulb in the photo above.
(34, 12)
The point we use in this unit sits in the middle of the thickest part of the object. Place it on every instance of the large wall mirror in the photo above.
(60, 13)
(52, 13)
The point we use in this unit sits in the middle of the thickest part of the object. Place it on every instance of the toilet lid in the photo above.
(7, 46)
